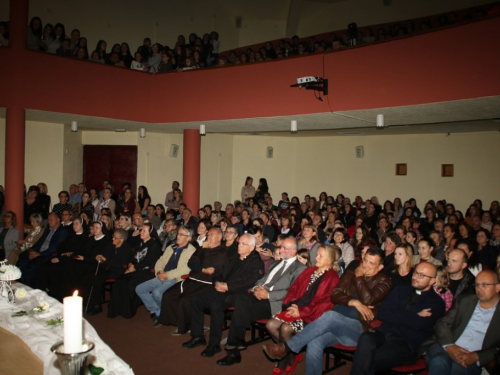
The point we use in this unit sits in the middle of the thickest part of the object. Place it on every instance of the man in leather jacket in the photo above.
(356, 299)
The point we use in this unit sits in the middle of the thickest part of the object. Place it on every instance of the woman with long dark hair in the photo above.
(31, 205)
(101, 49)
(59, 36)
(34, 34)
(261, 190)
(144, 199)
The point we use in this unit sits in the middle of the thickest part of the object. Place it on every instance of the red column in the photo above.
(18, 23)
(14, 162)
(191, 169)
(15, 118)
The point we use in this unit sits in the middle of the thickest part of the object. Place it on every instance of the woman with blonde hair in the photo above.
(215, 219)
(307, 299)
(403, 265)
(33, 236)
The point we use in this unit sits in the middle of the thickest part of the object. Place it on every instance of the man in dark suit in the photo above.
(264, 300)
(45, 248)
(408, 316)
(241, 273)
(467, 337)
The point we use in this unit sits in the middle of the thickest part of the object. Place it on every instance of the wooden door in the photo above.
(118, 164)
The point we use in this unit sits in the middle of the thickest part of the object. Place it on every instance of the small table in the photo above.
(34, 331)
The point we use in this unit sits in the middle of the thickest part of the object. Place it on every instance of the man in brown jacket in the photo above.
(356, 299)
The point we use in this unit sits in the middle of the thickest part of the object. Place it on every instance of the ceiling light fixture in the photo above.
(380, 121)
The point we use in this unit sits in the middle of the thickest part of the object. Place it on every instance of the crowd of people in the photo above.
(203, 51)
(322, 270)
(196, 52)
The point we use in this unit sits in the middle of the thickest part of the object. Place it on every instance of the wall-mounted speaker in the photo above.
(360, 151)
(269, 153)
(174, 150)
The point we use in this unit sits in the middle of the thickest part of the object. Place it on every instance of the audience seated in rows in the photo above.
(85, 259)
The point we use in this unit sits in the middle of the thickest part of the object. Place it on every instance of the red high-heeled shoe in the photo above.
(298, 358)
(278, 371)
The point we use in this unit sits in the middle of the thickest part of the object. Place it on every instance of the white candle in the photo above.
(73, 323)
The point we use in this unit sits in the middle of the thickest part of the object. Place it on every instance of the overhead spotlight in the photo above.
(74, 126)
(380, 121)
(142, 132)
(202, 129)
(293, 126)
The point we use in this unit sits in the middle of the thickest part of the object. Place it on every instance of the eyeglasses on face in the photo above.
(484, 285)
(420, 275)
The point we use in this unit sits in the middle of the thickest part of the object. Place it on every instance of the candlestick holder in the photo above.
(72, 363)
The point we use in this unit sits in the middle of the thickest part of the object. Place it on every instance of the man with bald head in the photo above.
(467, 337)
(408, 316)
(264, 301)
(461, 279)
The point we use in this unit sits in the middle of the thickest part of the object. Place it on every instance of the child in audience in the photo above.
(304, 258)
(137, 64)
(441, 287)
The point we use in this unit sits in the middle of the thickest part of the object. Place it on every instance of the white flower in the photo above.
(21, 293)
(44, 306)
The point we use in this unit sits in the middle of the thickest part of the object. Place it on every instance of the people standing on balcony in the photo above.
(34, 34)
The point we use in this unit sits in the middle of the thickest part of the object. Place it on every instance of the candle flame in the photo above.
(75, 294)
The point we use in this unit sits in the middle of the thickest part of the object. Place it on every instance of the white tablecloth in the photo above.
(33, 330)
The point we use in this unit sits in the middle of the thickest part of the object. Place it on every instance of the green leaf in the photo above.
(95, 370)
(19, 313)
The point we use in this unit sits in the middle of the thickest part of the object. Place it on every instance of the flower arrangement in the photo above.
(43, 307)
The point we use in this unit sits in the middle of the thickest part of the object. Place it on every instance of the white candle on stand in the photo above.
(72, 323)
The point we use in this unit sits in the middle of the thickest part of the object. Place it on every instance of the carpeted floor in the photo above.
(151, 351)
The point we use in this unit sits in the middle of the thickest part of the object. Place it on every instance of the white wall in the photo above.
(311, 165)
(300, 165)
(217, 155)
(44, 158)
(72, 157)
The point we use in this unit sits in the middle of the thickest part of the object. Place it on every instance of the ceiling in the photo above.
(461, 116)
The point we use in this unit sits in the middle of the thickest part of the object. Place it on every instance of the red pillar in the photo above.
(191, 169)
(18, 23)
(14, 162)
(15, 118)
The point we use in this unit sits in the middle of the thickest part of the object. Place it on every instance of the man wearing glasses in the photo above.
(408, 316)
(264, 300)
(240, 274)
(467, 338)
(356, 298)
(63, 203)
(169, 269)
